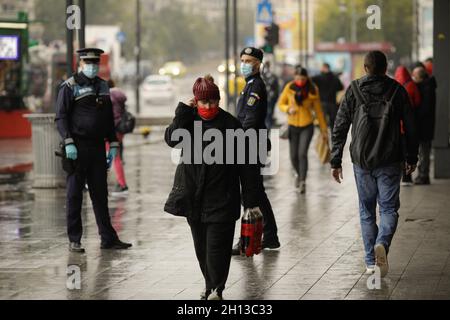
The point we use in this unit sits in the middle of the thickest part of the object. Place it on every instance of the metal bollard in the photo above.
(47, 168)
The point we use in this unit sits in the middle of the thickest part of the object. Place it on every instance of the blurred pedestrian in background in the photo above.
(273, 91)
(425, 121)
(403, 77)
(118, 99)
(329, 85)
(300, 100)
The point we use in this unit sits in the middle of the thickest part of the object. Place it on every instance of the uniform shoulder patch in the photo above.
(251, 101)
(70, 82)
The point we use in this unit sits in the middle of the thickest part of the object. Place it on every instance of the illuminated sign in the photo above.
(9, 47)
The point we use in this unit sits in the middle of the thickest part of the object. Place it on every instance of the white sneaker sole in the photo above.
(381, 259)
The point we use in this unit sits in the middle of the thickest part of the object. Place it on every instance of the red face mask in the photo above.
(208, 114)
(300, 83)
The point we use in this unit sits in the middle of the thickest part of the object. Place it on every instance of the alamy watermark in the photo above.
(73, 21)
(374, 20)
(73, 281)
(374, 281)
(235, 146)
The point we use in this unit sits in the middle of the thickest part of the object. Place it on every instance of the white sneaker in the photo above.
(370, 269)
(381, 259)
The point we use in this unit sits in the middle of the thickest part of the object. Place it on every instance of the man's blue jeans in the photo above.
(380, 185)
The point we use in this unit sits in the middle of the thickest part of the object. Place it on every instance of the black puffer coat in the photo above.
(209, 192)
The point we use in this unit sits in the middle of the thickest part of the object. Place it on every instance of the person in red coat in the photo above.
(403, 77)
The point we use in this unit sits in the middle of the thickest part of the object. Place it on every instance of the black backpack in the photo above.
(127, 123)
(375, 129)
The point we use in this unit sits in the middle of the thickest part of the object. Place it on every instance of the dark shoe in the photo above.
(236, 251)
(116, 245)
(205, 294)
(271, 244)
(297, 183)
(407, 180)
(76, 247)
(119, 190)
(302, 187)
(422, 181)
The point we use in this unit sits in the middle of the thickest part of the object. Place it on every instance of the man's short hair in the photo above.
(376, 63)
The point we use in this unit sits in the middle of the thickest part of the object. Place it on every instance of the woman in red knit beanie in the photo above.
(206, 97)
(208, 194)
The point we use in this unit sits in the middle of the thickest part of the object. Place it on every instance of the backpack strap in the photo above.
(392, 92)
(358, 94)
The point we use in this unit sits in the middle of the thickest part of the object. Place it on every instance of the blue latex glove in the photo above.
(71, 152)
(111, 155)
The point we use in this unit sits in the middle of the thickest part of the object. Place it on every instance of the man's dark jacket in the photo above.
(376, 87)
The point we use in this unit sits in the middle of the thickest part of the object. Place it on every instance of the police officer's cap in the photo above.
(254, 52)
(90, 53)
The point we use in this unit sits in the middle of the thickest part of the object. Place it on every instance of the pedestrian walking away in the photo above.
(374, 106)
(84, 118)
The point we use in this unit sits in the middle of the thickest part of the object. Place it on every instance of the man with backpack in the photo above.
(375, 105)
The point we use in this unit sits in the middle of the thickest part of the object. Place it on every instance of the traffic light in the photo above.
(271, 38)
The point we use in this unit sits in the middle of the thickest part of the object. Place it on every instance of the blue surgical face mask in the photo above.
(246, 69)
(91, 70)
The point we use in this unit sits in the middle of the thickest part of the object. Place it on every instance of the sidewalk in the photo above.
(15, 155)
(321, 255)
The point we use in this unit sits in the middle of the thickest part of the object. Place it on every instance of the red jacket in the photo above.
(404, 78)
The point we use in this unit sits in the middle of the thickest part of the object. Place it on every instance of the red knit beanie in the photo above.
(205, 89)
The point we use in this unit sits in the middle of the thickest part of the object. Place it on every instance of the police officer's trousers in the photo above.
(90, 167)
(270, 225)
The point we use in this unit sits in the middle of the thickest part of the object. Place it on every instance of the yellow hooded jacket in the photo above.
(304, 115)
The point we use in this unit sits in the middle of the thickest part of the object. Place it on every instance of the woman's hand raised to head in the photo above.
(191, 103)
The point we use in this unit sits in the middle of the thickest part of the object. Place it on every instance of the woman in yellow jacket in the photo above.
(300, 100)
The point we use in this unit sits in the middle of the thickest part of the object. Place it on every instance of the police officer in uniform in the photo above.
(251, 112)
(84, 119)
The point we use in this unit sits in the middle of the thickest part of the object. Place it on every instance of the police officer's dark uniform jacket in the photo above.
(84, 110)
(252, 105)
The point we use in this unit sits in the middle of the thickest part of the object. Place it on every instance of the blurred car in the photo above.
(158, 89)
(173, 69)
(221, 68)
(127, 74)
